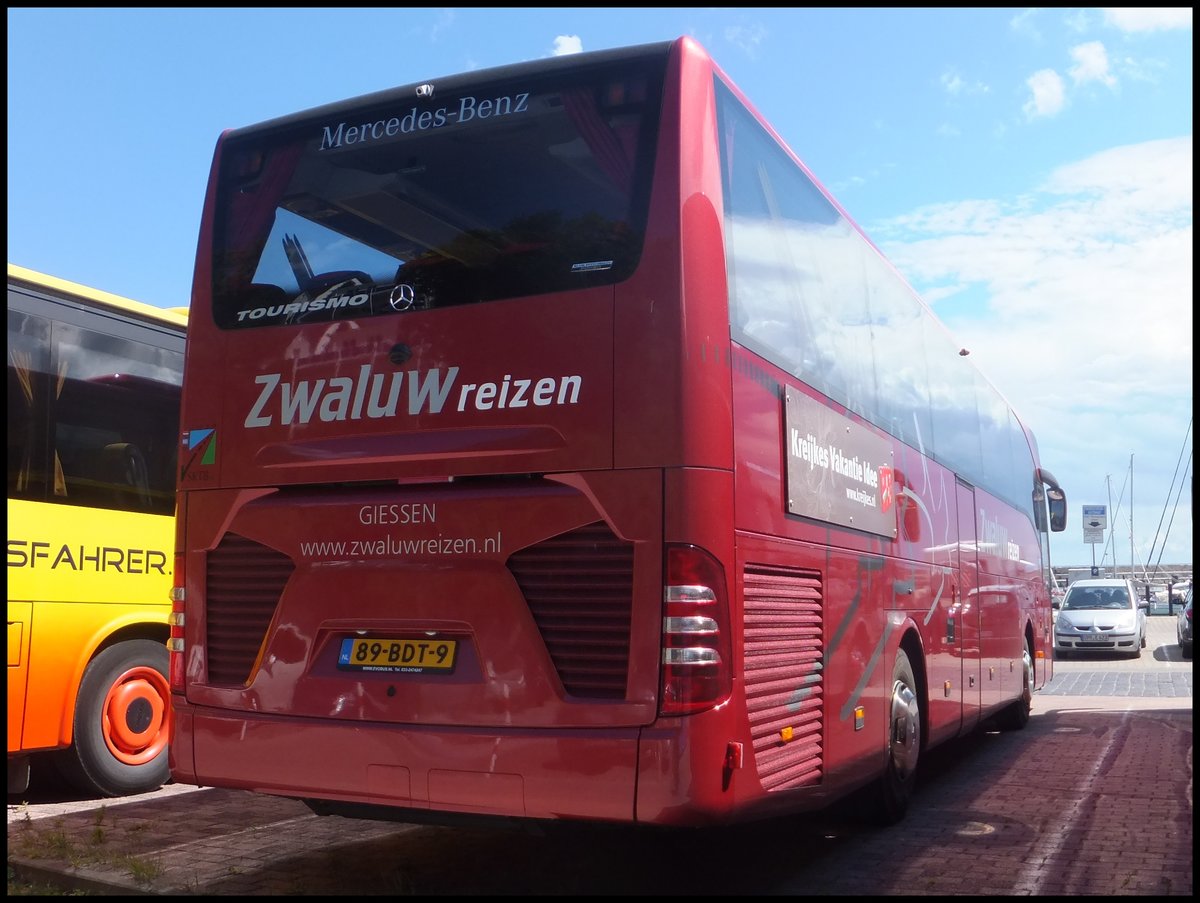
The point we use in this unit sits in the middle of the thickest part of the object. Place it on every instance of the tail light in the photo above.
(696, 668)
(175, 622)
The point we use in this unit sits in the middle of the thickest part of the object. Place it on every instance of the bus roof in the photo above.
(176, 316)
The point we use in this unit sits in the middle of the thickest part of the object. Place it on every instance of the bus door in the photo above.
(20, 624)
(966, 611)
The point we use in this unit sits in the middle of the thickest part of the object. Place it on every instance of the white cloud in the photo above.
(1022, 23)
(954, 84)
(1154, 177)
(1091, 64)
(443, 22)
(1047, 95)
(1076, 301)
(747, 37)
(566, 44)
(1141, 70)
(1152, 19)
(1078, 21)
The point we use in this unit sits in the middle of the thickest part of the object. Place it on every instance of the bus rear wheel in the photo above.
(894, 788)
(122, 720)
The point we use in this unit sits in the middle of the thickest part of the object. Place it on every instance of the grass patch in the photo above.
(52, 843)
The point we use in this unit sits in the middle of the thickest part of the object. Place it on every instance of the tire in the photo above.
(1185, 650)
(18, 774)
(1016, 715)
(121, 722)
(894, 788)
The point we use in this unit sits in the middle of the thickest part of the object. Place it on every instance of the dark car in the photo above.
(1183, 626)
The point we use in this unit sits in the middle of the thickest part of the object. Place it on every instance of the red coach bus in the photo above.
(555, 447)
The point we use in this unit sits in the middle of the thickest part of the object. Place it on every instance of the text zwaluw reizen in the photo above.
(376, 396)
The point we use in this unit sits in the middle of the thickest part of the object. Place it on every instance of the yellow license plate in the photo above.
(409, 656)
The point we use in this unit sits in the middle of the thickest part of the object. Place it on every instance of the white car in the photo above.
(1100, 615)
(1158, 599)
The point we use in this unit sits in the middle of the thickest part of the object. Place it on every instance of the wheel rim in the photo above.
(906, 730)
(1027, 664)
(134, 718)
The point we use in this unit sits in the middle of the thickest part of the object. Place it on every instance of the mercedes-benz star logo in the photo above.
(403, 297)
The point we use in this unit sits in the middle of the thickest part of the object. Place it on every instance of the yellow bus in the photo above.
(93, 430)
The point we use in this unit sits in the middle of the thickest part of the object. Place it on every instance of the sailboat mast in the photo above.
(1131, 562)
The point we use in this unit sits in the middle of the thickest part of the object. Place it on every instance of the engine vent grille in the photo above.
(244, 582)
(579, 588)
(784, 677)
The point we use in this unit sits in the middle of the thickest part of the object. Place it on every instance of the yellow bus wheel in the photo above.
(122, 721)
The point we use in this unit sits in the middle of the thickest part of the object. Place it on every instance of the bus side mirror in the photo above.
(1057, 500)
(1052, 498)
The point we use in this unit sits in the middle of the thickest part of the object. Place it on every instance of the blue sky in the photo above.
(1029, 171)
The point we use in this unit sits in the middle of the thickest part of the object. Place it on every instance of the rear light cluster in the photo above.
(175, 622)
(696, 666)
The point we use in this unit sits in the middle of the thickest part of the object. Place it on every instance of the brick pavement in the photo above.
(1093, 797)
(1138, 684)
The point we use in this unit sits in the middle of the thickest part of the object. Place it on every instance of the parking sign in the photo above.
(1095, 522)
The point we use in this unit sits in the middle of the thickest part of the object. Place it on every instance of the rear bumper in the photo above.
(676, 772)
(506, 773)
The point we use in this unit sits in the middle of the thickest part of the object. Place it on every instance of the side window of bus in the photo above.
(28, 365)
(116, 421)
(810, 294)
